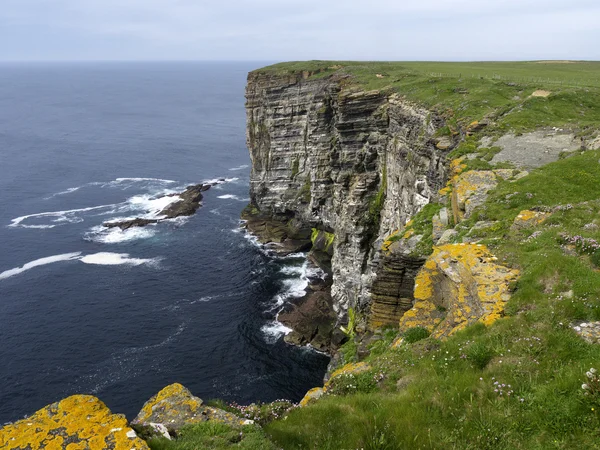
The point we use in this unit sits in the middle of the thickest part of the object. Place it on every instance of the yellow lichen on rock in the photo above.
(312, 395)
(77, 422)
(348, 369)
(458, 285)
(470, 190)
(175, 406)
(173, 396)
(385, 247)
(529, 219)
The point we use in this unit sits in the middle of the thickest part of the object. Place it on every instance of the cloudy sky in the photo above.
(297, 30)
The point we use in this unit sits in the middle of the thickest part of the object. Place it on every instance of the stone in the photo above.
(529, 219)
(534, 149)
(312, 318)
(126, 224)
(77, 422)
(444, 143)
(459, 284)
(188, 204)
(447, 237)
(589, 332)
(312, 395)
(470, 191)
(174, 407)
(440, 223)
(348, 369)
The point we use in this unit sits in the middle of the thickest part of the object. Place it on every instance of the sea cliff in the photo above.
(351, 164)
(458, 216)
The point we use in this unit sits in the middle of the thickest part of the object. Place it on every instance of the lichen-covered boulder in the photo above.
(529, 219)
(77, 422)
(459, 284)
(312, 395)
(348, 369)
(470, 191)
(174, 407)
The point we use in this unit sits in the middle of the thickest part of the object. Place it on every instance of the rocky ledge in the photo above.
(84, 422)
(187, 204)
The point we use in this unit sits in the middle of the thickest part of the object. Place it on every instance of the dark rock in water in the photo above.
(283, 235)
(187, 205)
(126, 224)
(312, 320)
(205, 187)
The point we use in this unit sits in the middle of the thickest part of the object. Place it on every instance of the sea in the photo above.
(121, 314)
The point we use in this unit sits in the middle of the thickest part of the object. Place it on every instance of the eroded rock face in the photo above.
(77, 422)
(328, 157)
(172, 408)
(459, 284)
(392, 290)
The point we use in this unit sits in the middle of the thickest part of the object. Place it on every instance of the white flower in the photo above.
(585, 386)
(593, 370)
(590, 375)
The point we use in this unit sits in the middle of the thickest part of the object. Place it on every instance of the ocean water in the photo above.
(120, 314)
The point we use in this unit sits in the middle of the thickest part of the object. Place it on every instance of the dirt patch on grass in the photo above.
(541, 93)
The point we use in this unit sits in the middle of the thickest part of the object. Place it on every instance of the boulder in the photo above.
(77, 422)
(188, 205)
(459, 284)
(174, 407)
(312, 320)
(470, 191)
(312, 395)
(529, 219)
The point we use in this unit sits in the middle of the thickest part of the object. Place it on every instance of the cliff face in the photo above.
(354, 163)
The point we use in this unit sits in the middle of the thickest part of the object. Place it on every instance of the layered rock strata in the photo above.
(350, 163)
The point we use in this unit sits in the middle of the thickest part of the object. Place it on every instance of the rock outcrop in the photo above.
(351, 163)
(459, 284)
(186, 204)
(77, 422)
(174, 407)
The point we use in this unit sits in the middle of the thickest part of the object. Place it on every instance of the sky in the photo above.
(283, 30)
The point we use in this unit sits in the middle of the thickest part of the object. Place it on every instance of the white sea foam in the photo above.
(159, 180)
(233, 197)
(296, 287)
(152, 205)
(218, 181)
(60, 217)
(274, 330)
(242, 167)
(66, 191)
(126, 183)
(114, 259)
(39, 262)
(104, 235)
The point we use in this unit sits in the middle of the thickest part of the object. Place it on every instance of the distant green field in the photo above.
(567, 73)
(468, 91)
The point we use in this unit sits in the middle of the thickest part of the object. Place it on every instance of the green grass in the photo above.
(215, 435)
(514, 385)
(464, 92)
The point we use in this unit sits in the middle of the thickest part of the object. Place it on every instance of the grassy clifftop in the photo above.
(527, 381)
(464, 92)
